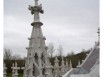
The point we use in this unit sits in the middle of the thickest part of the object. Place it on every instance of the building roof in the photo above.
(91, 59)
(88, 63)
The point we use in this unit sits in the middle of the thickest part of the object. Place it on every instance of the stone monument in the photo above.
(37, 51)
(37, 63)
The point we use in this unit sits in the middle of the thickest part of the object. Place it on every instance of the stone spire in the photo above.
(48, 68)
(56, 61)
(37, 50)
(56, 67)
(62, 66)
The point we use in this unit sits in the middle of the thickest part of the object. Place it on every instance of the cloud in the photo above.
(71, 23)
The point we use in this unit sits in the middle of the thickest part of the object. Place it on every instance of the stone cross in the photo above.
(5, 68)
(15, 70)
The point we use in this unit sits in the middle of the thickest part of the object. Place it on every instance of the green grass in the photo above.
(10, 75)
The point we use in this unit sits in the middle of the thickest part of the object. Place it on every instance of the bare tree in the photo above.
(72, 53)
(51, 49)
(7, 54)
(60, 50)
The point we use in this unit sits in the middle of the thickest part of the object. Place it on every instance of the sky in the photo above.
(70, 23)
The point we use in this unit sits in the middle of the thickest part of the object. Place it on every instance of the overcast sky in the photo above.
(70, 23)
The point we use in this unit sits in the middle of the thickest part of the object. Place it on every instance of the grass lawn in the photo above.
(10, 75)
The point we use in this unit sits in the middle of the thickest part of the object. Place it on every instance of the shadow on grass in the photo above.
(19, 75)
